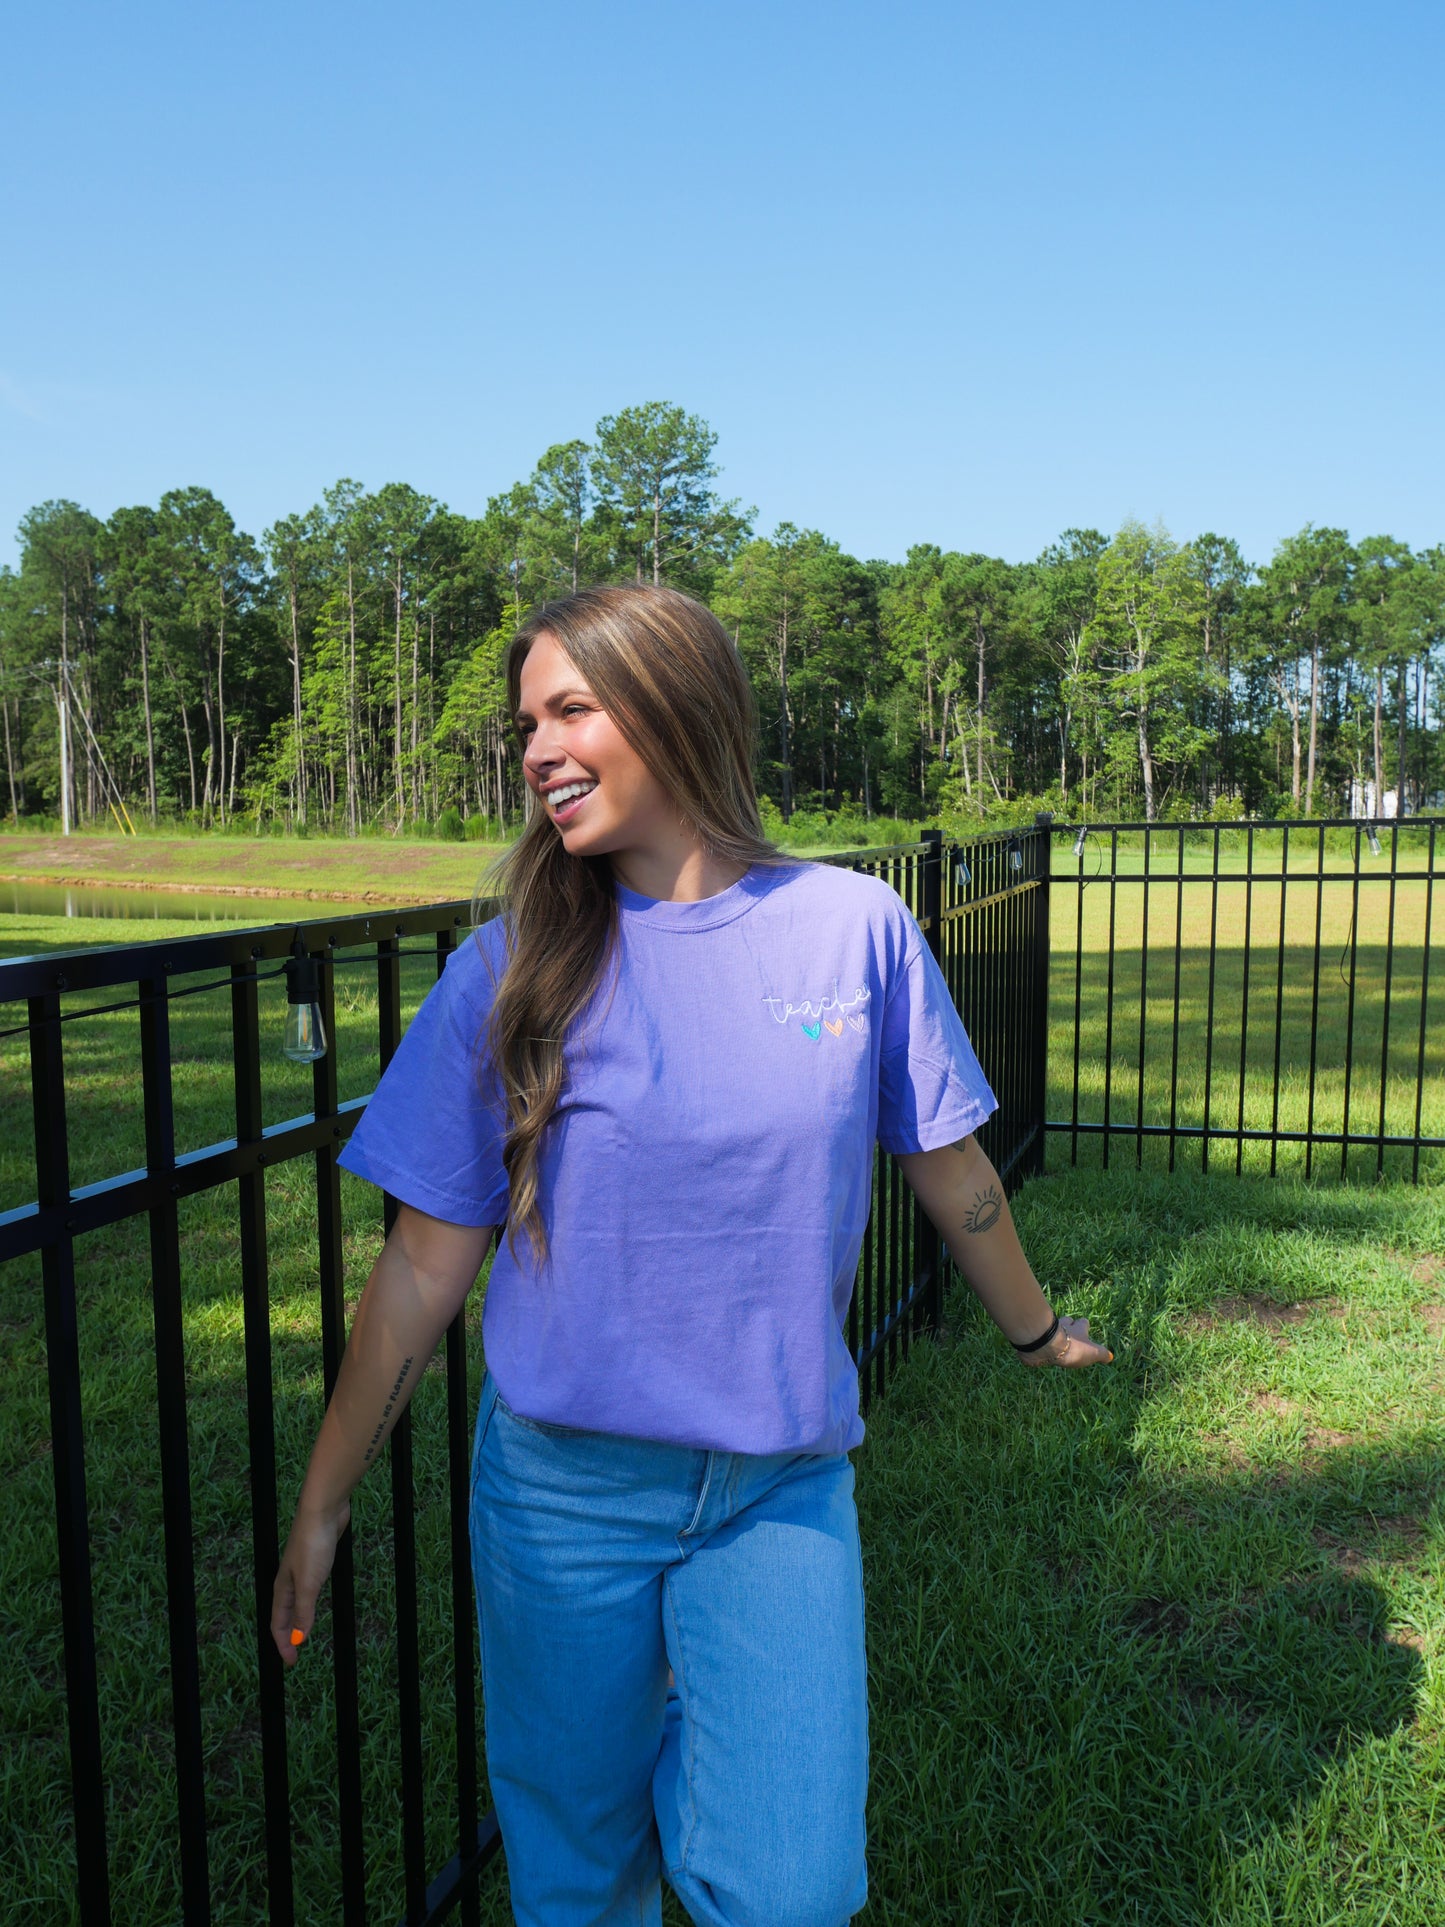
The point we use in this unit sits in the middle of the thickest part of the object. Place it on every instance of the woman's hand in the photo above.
(305, 1567)
(964, 1197)
(1070, 1345)
(416, 1288)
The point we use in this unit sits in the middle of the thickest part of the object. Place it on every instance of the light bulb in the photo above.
(305, 1034)
(1374, 840)
(1015, 854)
(1079, 841)
(305, 1038)
(962, 875)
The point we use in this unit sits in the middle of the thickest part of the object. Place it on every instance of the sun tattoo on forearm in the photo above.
(985, 1212)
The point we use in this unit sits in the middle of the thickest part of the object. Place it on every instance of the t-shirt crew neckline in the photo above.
(707, 913)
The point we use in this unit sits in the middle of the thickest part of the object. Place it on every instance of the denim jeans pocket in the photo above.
(486, 1406)
(544, 1426)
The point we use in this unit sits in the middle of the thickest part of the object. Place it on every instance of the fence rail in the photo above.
(1261, 988)
(983, 911)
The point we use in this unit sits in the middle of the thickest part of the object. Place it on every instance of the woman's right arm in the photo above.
(416, 1288)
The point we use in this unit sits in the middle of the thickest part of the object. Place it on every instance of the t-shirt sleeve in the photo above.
(931, 1087)
(433, 1132)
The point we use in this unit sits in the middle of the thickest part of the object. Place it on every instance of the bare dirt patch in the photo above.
(1400, 1535)
(1434, 1317)
(1272, 1402)
(1390, 1542)
(1406, 1636)
(1316, 1443)
(1254, 1308)
(1428, 1269)
(1344, 1558)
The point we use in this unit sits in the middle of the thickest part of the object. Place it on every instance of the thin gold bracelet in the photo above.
(1037, 1344)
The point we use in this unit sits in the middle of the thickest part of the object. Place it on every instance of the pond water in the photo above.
(83, 900)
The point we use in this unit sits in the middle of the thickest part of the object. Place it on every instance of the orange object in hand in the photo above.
(298, 1638)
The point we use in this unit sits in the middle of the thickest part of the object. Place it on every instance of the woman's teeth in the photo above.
(569, 791)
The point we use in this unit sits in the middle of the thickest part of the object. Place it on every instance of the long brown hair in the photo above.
(670, 677)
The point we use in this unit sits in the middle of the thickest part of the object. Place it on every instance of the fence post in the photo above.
(72, 1512)
(927, 1245)
(1039, 1058)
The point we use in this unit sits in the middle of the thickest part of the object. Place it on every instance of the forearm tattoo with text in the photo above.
(387, 1409)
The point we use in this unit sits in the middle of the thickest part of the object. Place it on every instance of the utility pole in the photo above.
(63, 711)
(60, 690)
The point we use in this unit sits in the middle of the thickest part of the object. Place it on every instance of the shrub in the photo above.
(1227, 809)
(772, 818)
(853, 832)
(806, 827)
(844, 829)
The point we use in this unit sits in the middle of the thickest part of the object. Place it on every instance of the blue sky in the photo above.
(964, 274)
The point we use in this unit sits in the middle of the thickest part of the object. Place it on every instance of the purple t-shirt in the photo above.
(705, 1179)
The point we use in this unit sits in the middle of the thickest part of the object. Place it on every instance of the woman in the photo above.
(663, 1070)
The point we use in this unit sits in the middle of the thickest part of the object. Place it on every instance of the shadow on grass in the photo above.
(1142, 1641)
(1131, 1662)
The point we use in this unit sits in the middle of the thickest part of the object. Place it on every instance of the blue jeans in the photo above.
(600, 1564)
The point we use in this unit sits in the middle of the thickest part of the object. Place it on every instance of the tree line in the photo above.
(343, 671)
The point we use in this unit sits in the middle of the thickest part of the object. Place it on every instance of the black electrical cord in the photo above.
(321, 961)
(1082, 880)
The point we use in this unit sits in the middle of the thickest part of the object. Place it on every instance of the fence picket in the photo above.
(1254, 1113)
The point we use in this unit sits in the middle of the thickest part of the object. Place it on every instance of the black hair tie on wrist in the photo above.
(1037, 1344)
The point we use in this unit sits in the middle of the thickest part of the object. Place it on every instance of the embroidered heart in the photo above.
(813, 1030)
(835, 1029)
(858, 1023)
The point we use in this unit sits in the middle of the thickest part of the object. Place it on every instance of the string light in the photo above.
(305, 1039)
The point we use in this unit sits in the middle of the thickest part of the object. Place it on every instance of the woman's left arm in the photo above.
(963, 1195)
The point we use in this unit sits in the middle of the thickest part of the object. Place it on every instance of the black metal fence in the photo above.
(60, 993)
(1261, 990)
(142, 1204)
(983, 908)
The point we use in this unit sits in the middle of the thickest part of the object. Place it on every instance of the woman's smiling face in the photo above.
(600, 795)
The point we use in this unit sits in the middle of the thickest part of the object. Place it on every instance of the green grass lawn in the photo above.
(1154, 1644)
(1161, 1643)
(1261, 1008)
(373, 868)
